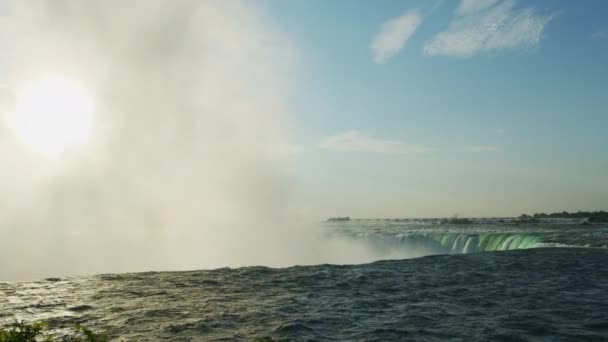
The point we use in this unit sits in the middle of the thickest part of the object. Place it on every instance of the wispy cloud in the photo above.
(355, 141)
(483, 148)
(472, 6)
(394, 34)
(600, 34)
(488, 25)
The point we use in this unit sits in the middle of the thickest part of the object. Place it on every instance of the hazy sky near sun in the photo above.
(423, 108)
(430, 108)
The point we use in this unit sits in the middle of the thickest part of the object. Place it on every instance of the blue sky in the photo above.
(422, 108)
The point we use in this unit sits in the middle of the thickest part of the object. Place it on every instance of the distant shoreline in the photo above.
(588, 216)
(565, 214)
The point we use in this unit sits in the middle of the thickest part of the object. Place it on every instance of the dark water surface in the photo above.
(542, 294)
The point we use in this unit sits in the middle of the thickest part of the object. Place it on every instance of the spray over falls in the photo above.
(186, 163)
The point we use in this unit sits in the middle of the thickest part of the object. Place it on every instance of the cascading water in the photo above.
(411, 238)
(427, 243)
(466, 243)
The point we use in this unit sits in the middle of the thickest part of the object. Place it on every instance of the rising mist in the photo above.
(187, 164)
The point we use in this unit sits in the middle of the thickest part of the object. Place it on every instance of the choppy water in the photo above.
(536, 294)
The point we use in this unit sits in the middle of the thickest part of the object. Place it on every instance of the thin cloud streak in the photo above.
(483, 148)
(394, 34)
(600, 34)
(356, 141)
(472, 6)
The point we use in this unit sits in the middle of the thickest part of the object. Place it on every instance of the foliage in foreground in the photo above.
(22, 332)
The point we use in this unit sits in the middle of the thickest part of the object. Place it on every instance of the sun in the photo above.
(53, 116)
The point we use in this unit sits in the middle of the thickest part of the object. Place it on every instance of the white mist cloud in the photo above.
(187, 169)
(484, 26)
(355, 141)
(394, 34)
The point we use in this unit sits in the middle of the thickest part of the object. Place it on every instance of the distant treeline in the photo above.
(592, 216)
(338, 219)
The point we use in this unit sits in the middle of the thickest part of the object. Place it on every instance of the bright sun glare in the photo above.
(53, 115)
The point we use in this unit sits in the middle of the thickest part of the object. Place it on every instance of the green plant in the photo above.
(89, 335)
(22, 332)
